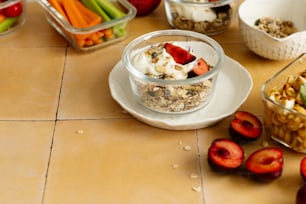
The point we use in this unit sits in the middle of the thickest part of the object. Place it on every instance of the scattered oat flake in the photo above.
(264, 144)
(80, 131)
(187, 148)
(196, 188)
(193, 176)
(180, 143)
(175, 166)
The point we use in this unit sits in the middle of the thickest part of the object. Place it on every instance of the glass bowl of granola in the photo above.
(173, 71)
(275, 30)
(209, 17)
(284, 99)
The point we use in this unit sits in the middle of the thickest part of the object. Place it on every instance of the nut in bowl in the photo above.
(173, 71)
(284, 98)
(273, 29)
(89, 24)
(12, 15)
(209, 17)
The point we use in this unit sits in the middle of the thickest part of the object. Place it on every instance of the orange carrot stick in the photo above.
(75, 17)
(81, 17)
(108, 33)
(57, 4)
(80, 43)
(90, 17)
(100, 34)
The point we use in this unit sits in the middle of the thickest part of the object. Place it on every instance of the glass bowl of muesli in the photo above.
(173, 71)
(275, 30)
(284, 99)
(209, 17)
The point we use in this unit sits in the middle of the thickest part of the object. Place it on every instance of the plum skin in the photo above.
(301, 195)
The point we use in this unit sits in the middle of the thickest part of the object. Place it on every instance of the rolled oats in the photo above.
(174, 98)
(222, 21)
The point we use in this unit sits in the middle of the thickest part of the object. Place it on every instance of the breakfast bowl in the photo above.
(13, 15)
(87, 27)
(274, 30)
(209, 17)
(173, 71)
(284, 99)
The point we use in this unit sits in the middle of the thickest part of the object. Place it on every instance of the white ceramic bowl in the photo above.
(262, 43)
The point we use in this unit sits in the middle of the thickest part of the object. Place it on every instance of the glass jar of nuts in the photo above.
(284, 98)
(209, 17)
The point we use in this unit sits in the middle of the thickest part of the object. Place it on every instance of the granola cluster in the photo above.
(174, 98)
(288, 127)
(275, 27)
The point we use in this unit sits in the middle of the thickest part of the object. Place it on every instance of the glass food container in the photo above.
(12, 15)
(284, 99)
(209, 17)
(72, 34)
(164, 92)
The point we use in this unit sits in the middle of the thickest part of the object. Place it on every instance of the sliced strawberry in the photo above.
(303, 168)
(245, 127)
(225, 155)
(179, 55)
(201, 67)
(265, 164)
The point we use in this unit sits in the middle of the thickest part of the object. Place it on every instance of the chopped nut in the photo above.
(264, 144)
(187, 148)
(175, 166)
(196, 188)
(193, 176)
(80, 131)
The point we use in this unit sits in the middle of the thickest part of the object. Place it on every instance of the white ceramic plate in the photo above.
(233, 87)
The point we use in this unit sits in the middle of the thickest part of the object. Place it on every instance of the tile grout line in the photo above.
(54, 128)
(200, 166)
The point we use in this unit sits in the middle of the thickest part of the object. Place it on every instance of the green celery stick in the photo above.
(7, 23)
(114, 13)
(110, 9)
(93, 5)
(119, 30)
(303, 93)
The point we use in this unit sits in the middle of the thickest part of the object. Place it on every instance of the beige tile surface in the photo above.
(97, 162)
(24, 154)
(65, 140)
(85, 92)
(30, 81)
